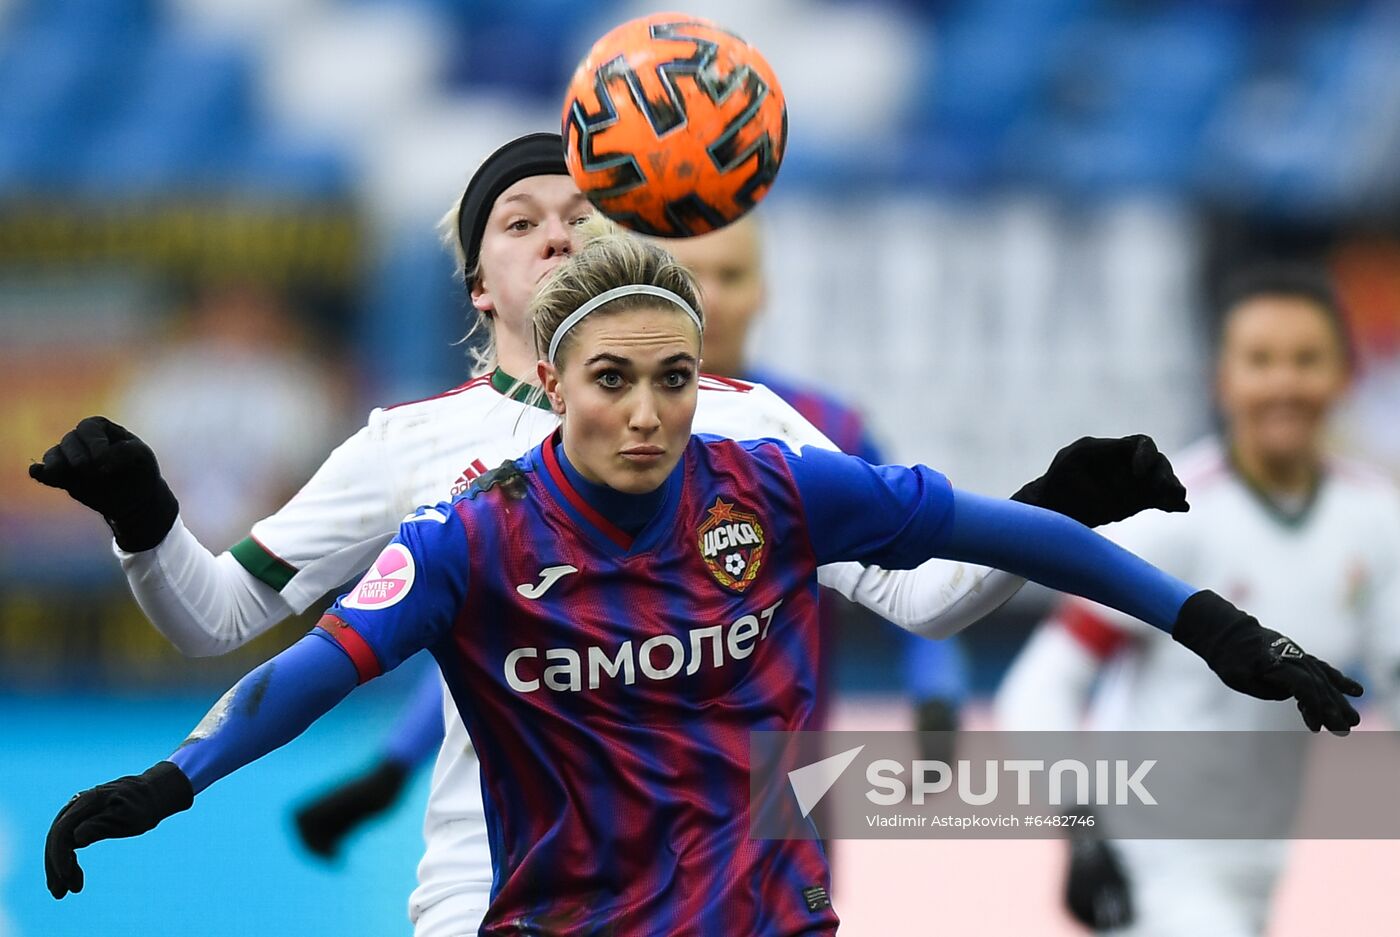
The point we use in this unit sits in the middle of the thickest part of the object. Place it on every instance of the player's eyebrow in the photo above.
(574, 200)
(610, 358)
(620, 361)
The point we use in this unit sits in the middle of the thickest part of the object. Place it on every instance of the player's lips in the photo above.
(643, 454)
(1287, 413)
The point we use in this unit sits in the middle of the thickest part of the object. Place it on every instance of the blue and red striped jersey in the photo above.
(610, 682)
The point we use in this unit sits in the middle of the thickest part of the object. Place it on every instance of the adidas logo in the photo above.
(469, 474)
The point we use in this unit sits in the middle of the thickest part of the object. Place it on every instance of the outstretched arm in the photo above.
(896, 516)
(206, 604)
(1067, 556)
(265, 710)
(1094, 481)
(393, 613)
(935, 600)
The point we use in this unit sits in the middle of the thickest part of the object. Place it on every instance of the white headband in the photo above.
(634, 289)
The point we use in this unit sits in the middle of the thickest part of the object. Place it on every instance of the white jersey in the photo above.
(1328, 576)
(425, 452)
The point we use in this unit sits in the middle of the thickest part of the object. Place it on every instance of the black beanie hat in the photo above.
(535, 154)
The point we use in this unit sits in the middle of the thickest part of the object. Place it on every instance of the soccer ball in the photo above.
(674, 126)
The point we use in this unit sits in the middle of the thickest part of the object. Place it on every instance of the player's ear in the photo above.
(549, 381)
(482, 299)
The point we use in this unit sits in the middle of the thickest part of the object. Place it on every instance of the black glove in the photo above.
(128, 806)
(940, 716)
(1099, 481)
(105, 467)
(1262, 663)
(1097, 892)
(328, 819)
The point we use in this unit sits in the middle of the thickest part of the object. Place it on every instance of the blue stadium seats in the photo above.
(1127, 102)
(54, 90)
(1078, 97)
(272, 166)
(1286, 136)
(178, 120)
(531, 48)
(978, 81)
(117, 20)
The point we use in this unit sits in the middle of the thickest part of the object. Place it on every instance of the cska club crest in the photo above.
(731, 544)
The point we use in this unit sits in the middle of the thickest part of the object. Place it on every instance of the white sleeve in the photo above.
(204, 604)
(1381, 615)
(334, 527)
(1048, 686)
(327, 533)
(935, 600)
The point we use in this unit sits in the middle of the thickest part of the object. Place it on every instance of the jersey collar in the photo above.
(1290, 519)
(517, 390)
(596, 524)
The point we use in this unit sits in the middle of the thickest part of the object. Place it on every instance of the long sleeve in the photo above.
(936, 599)
(409, 597)
(266, 709)
(1065, 555)
(897, 516)
(204, 604)
(404, 603)
(329, 531)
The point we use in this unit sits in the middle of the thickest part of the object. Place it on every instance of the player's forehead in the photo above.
(551, 193)
(1276, 319)
(644, 337)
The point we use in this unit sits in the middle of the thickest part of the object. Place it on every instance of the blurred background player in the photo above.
(237, 405)
(1313, 542)
(728, 264)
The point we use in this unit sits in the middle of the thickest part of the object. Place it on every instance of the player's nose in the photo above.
(559, 237)
(644, 417)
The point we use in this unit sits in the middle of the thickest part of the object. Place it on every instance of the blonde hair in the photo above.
(609, 258)
(480, 337)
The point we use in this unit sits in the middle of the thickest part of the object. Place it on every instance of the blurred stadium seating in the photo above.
(1281, 103)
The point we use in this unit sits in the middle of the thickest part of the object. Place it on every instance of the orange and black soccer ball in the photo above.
(674, 126)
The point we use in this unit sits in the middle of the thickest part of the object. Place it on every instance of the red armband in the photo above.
(350, 641)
